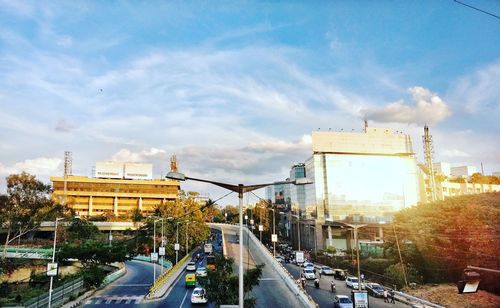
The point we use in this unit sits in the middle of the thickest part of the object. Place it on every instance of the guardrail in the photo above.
(412, 300)
(59, 295)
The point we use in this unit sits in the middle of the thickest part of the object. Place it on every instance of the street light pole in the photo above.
(177, 243)
(240, 189)
(356, 241)
(274, 232)
(162, 245)
(53, 260)
(187, 225)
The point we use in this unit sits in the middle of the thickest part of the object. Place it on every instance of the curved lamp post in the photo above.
(240, 189)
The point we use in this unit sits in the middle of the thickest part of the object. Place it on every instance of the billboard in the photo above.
(136, 171)
(109, 170)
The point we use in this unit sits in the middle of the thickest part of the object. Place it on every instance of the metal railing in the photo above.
(59, 295)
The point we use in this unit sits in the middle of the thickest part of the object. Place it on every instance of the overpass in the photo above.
(276, 287)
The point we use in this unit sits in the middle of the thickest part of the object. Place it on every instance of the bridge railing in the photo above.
(59, 295)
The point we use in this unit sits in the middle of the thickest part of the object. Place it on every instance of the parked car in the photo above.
(326, 270)
(339, 274)
(201, 272)
(309, 274)
(342, 301)
(352, 282)
(199, 296)
(374, 289)
(191, 266)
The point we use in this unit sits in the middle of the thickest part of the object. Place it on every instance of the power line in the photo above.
(477, 9)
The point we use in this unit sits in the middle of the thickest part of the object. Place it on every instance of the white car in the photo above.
(199, 296)
(201, 272)
(352, 282)
(309, 274)
(191, 266)
(326, 270)
(342, 301)
(280, 259)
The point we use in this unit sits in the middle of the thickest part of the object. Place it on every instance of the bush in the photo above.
(4, 289)
(395, 274)
(93, 276)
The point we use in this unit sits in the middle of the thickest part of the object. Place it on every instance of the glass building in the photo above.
(357, 178)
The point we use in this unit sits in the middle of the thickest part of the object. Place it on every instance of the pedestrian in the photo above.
(391, 296)
(362, 277)
(320, 274)
(386, 300)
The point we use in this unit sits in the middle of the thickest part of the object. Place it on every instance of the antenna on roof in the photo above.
(366, 125)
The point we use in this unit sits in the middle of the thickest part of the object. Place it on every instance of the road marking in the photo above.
(132, 285)
(267, 279)
(185, 295)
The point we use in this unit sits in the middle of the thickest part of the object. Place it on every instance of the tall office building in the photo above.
(358, 177)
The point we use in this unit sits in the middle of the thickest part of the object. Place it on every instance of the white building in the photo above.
(462, 171)
(442, 168)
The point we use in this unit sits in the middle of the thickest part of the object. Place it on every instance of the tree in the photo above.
(221, 285)
(86, 243)
(440, 239)
(26, 204)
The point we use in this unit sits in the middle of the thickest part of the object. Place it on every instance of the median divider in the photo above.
(164, 281)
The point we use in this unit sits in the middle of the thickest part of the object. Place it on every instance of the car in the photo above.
(375, 290)
(342, 301)
(352, 282)
(307, 264)
(326, 270)
(309, 274)
(310, 266)
(199, 296)
(201, 271)
(280, 259)
(191, 266)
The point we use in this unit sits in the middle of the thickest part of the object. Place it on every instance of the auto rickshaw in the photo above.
(190, 280)
(339, 274)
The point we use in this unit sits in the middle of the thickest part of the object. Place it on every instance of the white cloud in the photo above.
(428, 108)
(454, 153)
(41, 166)
(479, 91)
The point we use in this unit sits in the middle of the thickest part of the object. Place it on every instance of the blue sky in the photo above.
(234, 88)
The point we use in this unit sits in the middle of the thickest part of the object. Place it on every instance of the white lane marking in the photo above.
(267, 279)
(185, 295)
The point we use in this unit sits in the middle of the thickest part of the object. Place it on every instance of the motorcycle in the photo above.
(316, 283)
(333, 287)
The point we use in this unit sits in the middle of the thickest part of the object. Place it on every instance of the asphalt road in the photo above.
(324, 297)
(128, 290)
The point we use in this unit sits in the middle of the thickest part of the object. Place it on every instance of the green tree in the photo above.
(26, 204)
(85, 243)
(221, 285)
(440, 239)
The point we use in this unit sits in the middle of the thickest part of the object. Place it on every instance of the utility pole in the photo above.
(400, 257)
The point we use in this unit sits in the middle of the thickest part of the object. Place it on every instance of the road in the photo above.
(324, 297)
(128, 290)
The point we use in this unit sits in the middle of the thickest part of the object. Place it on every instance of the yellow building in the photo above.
(119, 197)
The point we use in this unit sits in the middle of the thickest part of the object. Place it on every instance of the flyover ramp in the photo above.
(276, 287)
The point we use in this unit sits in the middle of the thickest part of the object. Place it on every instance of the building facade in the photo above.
(358, 178)
(462, 171)
(447, 189)
(118, 191)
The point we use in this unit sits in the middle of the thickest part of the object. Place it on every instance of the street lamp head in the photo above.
(302, 181)
(176, 176)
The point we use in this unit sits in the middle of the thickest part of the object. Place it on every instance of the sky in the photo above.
(235, 88)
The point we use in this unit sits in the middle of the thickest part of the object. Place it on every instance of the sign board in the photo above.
(360, 298)
(161, 251)
(154, 257)
(110, 237)
(299, 256)
(176, 246)
(274, 237)
(261, 228)
(52, 269)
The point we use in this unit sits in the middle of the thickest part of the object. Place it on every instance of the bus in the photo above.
(211, 263)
